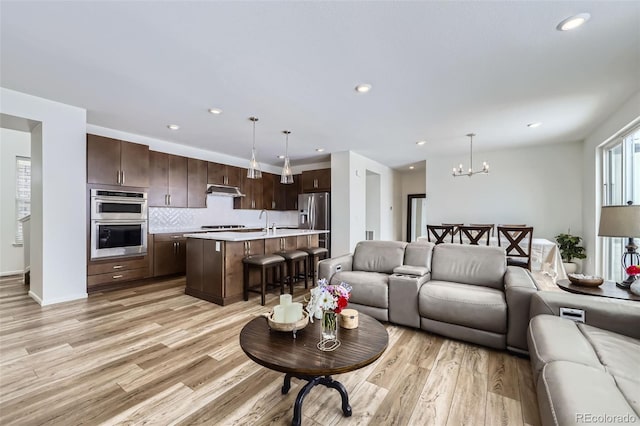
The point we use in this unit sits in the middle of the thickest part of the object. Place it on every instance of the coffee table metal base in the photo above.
(311, 382)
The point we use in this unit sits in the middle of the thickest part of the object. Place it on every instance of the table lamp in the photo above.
(622, 221)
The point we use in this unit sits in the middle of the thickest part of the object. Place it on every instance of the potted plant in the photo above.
(570, 249)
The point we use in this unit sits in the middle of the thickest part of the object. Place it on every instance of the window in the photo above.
(23, 193)
(621, 159)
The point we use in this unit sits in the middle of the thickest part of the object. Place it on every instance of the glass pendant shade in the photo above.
(254, 171)
(286, 176)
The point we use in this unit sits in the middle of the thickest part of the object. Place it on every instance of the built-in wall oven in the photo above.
(118, 223)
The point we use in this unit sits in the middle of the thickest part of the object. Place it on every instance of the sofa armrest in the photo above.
(404, 295)
(519, 286)
(619, 316)
(328, 267)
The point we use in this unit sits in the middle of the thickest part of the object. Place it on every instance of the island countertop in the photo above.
(249, 236)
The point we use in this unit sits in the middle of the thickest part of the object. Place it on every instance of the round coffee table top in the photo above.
(606, 289)
(279, 351)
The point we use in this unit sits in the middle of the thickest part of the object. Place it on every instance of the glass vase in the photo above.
(329, 325)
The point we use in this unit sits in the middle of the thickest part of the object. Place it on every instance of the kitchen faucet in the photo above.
(266, 221)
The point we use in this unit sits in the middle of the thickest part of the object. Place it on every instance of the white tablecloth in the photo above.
(545, 256)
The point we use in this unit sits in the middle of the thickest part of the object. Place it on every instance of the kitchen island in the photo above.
(214, 259)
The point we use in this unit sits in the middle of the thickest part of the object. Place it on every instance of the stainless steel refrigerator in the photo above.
(314, 212)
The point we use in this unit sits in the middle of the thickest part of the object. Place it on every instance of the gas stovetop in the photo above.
(223, 227)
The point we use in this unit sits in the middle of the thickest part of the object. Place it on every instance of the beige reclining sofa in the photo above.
(460, 291)
(585, 372)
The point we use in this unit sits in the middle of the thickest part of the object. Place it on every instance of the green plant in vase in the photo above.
(570, 249)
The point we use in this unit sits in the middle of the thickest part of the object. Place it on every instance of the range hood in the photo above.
(224, 190)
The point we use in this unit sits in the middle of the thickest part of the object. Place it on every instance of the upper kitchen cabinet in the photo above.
(223, 174)
(168, 180)
(115, 162)
(269, 191)
(316, 180)
(196, 183)
(287, 194)
(252, 189)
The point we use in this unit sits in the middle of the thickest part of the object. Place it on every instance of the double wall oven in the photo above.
(118, 223)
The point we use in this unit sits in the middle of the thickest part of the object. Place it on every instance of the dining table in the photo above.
(545, 255)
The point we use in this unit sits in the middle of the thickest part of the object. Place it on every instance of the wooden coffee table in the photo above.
(300, 358)
(606, 289)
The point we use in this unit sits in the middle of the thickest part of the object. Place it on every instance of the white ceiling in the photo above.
(439, 70)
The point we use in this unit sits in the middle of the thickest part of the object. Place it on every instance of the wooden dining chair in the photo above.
(456, 227)
(492, 225)
(475, 233)
(518, 254)
(439, 233)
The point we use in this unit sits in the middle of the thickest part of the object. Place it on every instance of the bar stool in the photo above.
(265, 262)
(294, 259)
(316, 254)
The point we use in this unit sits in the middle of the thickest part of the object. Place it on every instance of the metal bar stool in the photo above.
(316, 254)
(294, 260)
(265, 262)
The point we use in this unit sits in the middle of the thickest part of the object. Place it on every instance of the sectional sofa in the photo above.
(460, 291)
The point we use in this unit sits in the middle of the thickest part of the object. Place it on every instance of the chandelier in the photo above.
(458, 171)
(254, 172)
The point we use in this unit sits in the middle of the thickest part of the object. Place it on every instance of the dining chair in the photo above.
(456, 227)
(475, 233)
(492, 225)
(518, 254)
(439, 233)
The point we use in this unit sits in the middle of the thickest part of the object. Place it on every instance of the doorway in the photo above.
(416, 216)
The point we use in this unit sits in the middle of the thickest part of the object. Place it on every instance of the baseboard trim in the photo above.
(9, 273)
(48, 302)
(35, 297)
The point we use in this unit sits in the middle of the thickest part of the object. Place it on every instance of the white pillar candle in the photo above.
(285, 299)
(278, 313)
(293, 312)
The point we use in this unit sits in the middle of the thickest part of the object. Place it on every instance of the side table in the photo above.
(606, 289)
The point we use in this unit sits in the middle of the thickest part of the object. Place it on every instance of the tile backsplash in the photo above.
(219, 211)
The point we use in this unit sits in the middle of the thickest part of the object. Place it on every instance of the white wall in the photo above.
(627, 116)
(348, 201)
(540, 186)
(58, 196)
(372, 210)
(411, 182)
(12, 143)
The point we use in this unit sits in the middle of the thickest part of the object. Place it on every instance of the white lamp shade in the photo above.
(620, 221)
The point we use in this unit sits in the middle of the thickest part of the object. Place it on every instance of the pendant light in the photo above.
(286, 176)
(458, 171)
(254, 172)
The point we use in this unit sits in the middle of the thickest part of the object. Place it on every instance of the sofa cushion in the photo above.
(419, 254)
(467, 264)
(378, 256)
(552, 338)
(368, 288)
(575, 394)
(471, 306)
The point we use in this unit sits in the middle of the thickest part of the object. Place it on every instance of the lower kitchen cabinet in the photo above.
(169, 254)
(103, 274)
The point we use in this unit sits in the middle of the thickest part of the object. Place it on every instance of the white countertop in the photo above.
(186, 229)
(247, 236)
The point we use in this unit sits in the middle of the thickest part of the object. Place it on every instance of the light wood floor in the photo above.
(156, 356)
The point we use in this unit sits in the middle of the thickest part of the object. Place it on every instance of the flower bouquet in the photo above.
(634, 272)
(325, 303)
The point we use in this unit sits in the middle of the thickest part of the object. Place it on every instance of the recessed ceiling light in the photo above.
(534, 125)
(281, 156)
(363, 88)
(319, 149)
(216, 111)
(573, 22)
(411, 167)
(421, 143)
(173, 126)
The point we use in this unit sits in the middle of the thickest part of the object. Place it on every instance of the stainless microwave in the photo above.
(118, 205)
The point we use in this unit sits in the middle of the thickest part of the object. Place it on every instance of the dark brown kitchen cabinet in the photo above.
(169, 254)
(252, 189)
(291, 193)
(110, 273)
(196, 183)
(168, 180)
(223, 174)
(116, 162)
(269, 188)
(316, 180)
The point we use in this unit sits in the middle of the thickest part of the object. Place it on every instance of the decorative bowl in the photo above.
(585, 280)
(287, 326)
